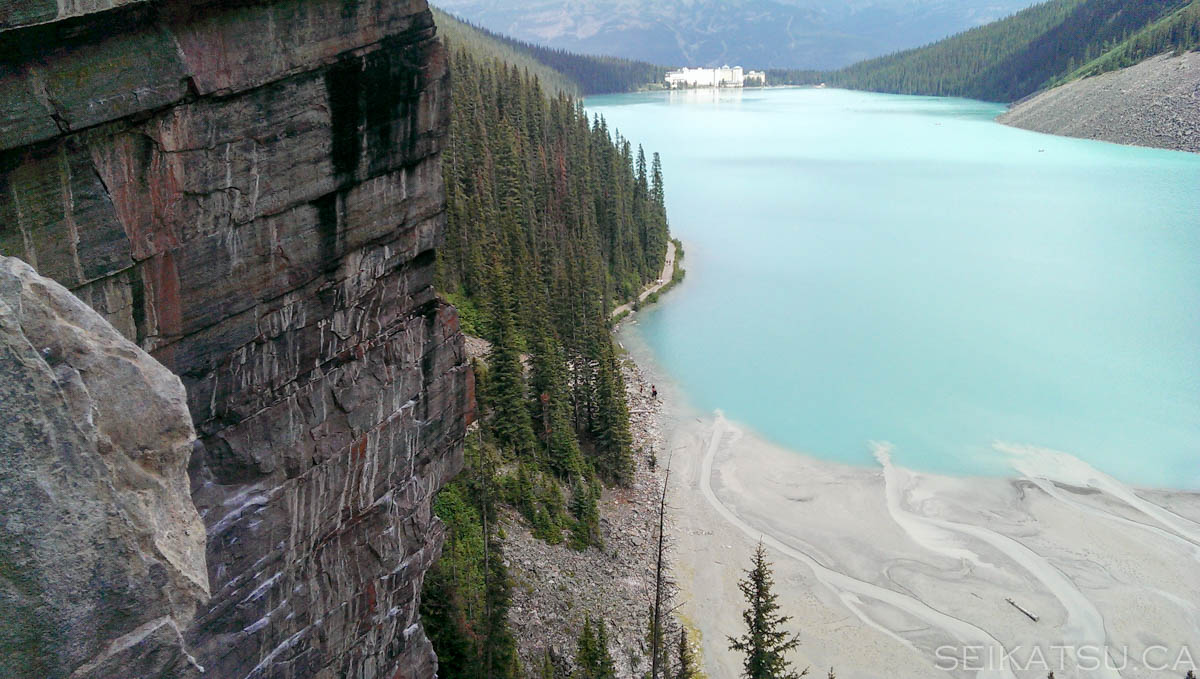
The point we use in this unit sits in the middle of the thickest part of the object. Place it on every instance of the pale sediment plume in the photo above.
(891, 572)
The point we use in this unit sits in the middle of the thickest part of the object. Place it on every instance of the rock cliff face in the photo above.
(251, 191)
(101, 549)
(1154, 103)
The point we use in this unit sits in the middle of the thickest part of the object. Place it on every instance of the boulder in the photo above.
(101, 549)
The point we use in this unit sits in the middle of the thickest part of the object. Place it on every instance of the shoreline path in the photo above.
(667, 272)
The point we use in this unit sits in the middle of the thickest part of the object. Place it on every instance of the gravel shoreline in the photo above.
(1155, 103)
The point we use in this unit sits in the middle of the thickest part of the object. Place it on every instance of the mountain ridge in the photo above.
(814, 33)
(560, 71)
(1018, 56)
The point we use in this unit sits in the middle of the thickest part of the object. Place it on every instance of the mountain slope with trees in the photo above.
(1175, 33)
(559, 71)
(553, 220)
(1027, 52)
(459, 35)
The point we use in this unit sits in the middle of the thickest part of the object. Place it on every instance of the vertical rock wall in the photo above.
(251, 191)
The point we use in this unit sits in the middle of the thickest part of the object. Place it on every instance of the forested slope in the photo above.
(1029, 51)
(458, 35)
(598, 74)
(559, 71)
(552, 221)
(1175, 33)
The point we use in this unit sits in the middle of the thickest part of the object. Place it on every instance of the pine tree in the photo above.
(506, 374)
(441, 612)
(585, 650)
(658, 646)
(657, 192)
(592, 660)
(765, 643)
(466, 596)
(500, 648)
(614, 457)
(586, 530)
(553, 408)
(686, 668)
(547, 671)
(605, 667)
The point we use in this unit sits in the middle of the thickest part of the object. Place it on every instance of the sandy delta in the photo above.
(894, 573)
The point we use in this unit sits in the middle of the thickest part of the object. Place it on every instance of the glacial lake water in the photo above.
(867, 267)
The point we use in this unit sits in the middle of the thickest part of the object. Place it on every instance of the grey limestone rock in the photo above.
(101, 549)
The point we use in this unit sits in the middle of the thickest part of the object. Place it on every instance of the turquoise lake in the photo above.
(868, 267)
